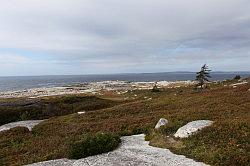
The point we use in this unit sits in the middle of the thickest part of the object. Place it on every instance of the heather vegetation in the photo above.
(93, 144)
(44, 108)
(226, 142)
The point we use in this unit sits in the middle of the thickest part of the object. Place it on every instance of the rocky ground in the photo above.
(28, 123)
(133, 151)
(225, 106)
(92, 88)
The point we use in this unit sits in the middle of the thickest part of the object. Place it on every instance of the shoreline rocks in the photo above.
(120, 87)
(237, 84)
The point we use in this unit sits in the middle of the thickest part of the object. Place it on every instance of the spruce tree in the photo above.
(203, 76)
(155, 88)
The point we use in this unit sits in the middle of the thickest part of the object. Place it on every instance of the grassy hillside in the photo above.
(12, 110)
(226, 142)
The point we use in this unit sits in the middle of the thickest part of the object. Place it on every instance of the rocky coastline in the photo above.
(92, 88)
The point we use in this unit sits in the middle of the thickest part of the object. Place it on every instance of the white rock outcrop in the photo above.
(240, 83)
(192, 127)
(161, 122)
(134, 150)
(81, 112)
(92, 87)
(28, 123)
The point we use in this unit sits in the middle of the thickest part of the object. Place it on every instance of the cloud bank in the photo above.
(108, 36)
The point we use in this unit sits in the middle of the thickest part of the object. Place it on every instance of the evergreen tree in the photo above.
(237, 77)
(202, 76)
(155, 88)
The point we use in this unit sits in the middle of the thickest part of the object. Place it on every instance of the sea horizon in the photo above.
(123, 73)
(12, 83)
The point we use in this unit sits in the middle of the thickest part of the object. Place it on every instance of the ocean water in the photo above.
(26, 82)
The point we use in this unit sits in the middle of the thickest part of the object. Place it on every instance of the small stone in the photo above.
(161, 122)
(79, 113)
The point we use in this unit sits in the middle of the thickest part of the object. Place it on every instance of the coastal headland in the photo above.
(59, 117)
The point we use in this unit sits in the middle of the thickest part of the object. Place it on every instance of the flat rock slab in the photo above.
(134, 151)
(192, 127)
(28, 123)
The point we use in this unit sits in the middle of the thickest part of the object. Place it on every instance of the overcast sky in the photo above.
(42, 37)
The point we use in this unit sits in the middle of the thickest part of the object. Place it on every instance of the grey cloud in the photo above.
(129, 33)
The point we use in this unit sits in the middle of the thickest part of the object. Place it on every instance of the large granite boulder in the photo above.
(191, 128)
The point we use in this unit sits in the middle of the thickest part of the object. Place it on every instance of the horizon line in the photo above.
(120, 73)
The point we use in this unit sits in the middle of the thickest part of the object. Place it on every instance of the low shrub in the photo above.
(155, 89)
(237, 77)
(93, 144)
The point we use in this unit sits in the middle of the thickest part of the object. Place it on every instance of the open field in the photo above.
(226, 142)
